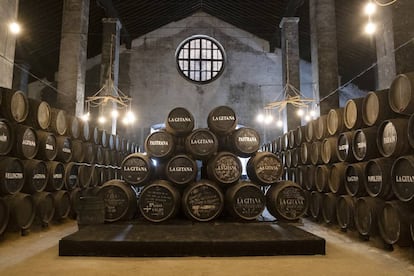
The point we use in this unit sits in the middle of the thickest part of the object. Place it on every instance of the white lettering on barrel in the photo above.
(389, 140)
(135, 169)
(201, 141)
(49, 147)
(66, 150)
(247, 139)
(158, 143)
(179, 120)
(14, 175)
(374, 178)
(3, 138)
(39, 176)
(353, 178)
(362, 145)
(404, 178)
(29, 143)
(224, 118)
(343, 147)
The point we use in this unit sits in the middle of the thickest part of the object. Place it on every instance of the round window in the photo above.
(200, 59)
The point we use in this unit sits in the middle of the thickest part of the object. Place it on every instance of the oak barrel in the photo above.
(401, 94)
(264, 168)
(14, 105)
(335, 121)
(44, 207)
(353, 113)
(354, 179)
(12, 175)
(26, 143)
(329, 207)
(402, 175)
(137, 169)
(22, 211)
(363, 145)
(179, 122)
(56, 172)
(245, 142)
(376, 108)
(36, 176)
(62, 204)
(377, 179)
(222, 120)
(4, 215)
(392, 138)
(181, 169)
(367, 211)
(39, 114)
(160, 145)
(6, 137)
(58, 123)
(345, 209)
(47, 145)
(201, 144)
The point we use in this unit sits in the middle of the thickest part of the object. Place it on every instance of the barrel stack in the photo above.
(357, 163)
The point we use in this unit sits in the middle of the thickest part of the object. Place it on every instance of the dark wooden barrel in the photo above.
(99, 155)
(105, 138)
(85, 131)
(137, 169)
(321, 129)
(321, 180)
(301, 174)
(120, 200)
(39, 114)
(96, 136)
(73, 129)
(181, 169)
(78, 154)
(224, 168)
(305, 150)
(6, 137)
(14, 105)
(329, 202)
(402, 175)
(70, 178)
(89, 149)
(401, 94)
(111, 141)
(26, 143)
(88, 176)
(291, 138)
(376, 108)
(264, 168)
(363, 144)
(12, 175)
(354, 179)
(353, 113)
(344, 147)
(315, 205)
(316, 153)
(286, 201)
(287, 158)
(22, 211)
(47, 145)
(394, 223)
(310, 178)
(58, 123)
(107, 157)
(245, 142)
(345, 209)
(328, 150)
(392, 138)
(36, 176)
(179, 122)
(337, 178)
(56, 172)
(310, 131)
(160, 145)
(62, 204)
(245, 201)
(202, 200)
(335, 121)
(201, 144)
(295, 157)
(378, 178)
(410, 130)
(367, 211)
(4, 215)
(159, 201)
(64, 148)
(44, 207)
(222, 120)
(299, 136)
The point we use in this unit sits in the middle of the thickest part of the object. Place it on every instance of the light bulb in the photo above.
(312, 113)
(260, 118)
(300, 112)
(15, 28)
(279, 123)
(307, 118)
(101, 119)
(370, 8)
(268, 119)
(370, 28)
(85, 117)
(114, 113)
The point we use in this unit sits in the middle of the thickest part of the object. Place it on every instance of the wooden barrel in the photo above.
(394, 223)
(376, 108)
(12, 176)
(305, 150)
(402, 175)
(378, 178)
(70, 177)
(295, 157)
(120, 200)
(64, 149)
(137, 169)
(78, 154)
(85, 131)
(39, 114)
(310, 131)
(244, 142)
(245, 201)
(329, 202)
(392, 138)
(310, 178)
(14, 105)
(73, 129)
(316, 153)
(56, 172)
(36, 176)
(321, 129)
(89, 149)
(401, 94)
(286, 201)
(4, 215)
(201, 144)
(44, 207)
(22, 211)
(47, 145)
(224, 168)
(367, 211)
(301, 174)
(291, 138)
(315, 205)
(160, 145)
(62, 204)
(335, 121)
(344, 147)
(99, 155)
(264, 168)
(26, 143)
(354, 179)
(410, 130)
(345, 209)
(58, 123)
(159, 201)
(181, 169)
(75, 195)
(202, 200)
(321, 181)
(363, 145)
(328, 150)
(96, 136)
(337, 178)
(104, 138)
(111, 141)
(353, 113)
(88, 176)
(6, 137)
(179, 122)
(222, 120)
(287, 158)
(299, 136)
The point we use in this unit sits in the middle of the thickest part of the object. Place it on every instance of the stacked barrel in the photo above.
(47, 157)
(357, 163)
(197, 173)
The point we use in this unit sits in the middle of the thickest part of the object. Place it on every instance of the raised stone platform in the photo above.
(177, 239)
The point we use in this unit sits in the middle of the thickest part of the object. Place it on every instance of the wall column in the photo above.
(72, 59)
(324, 52)
(291, 66)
